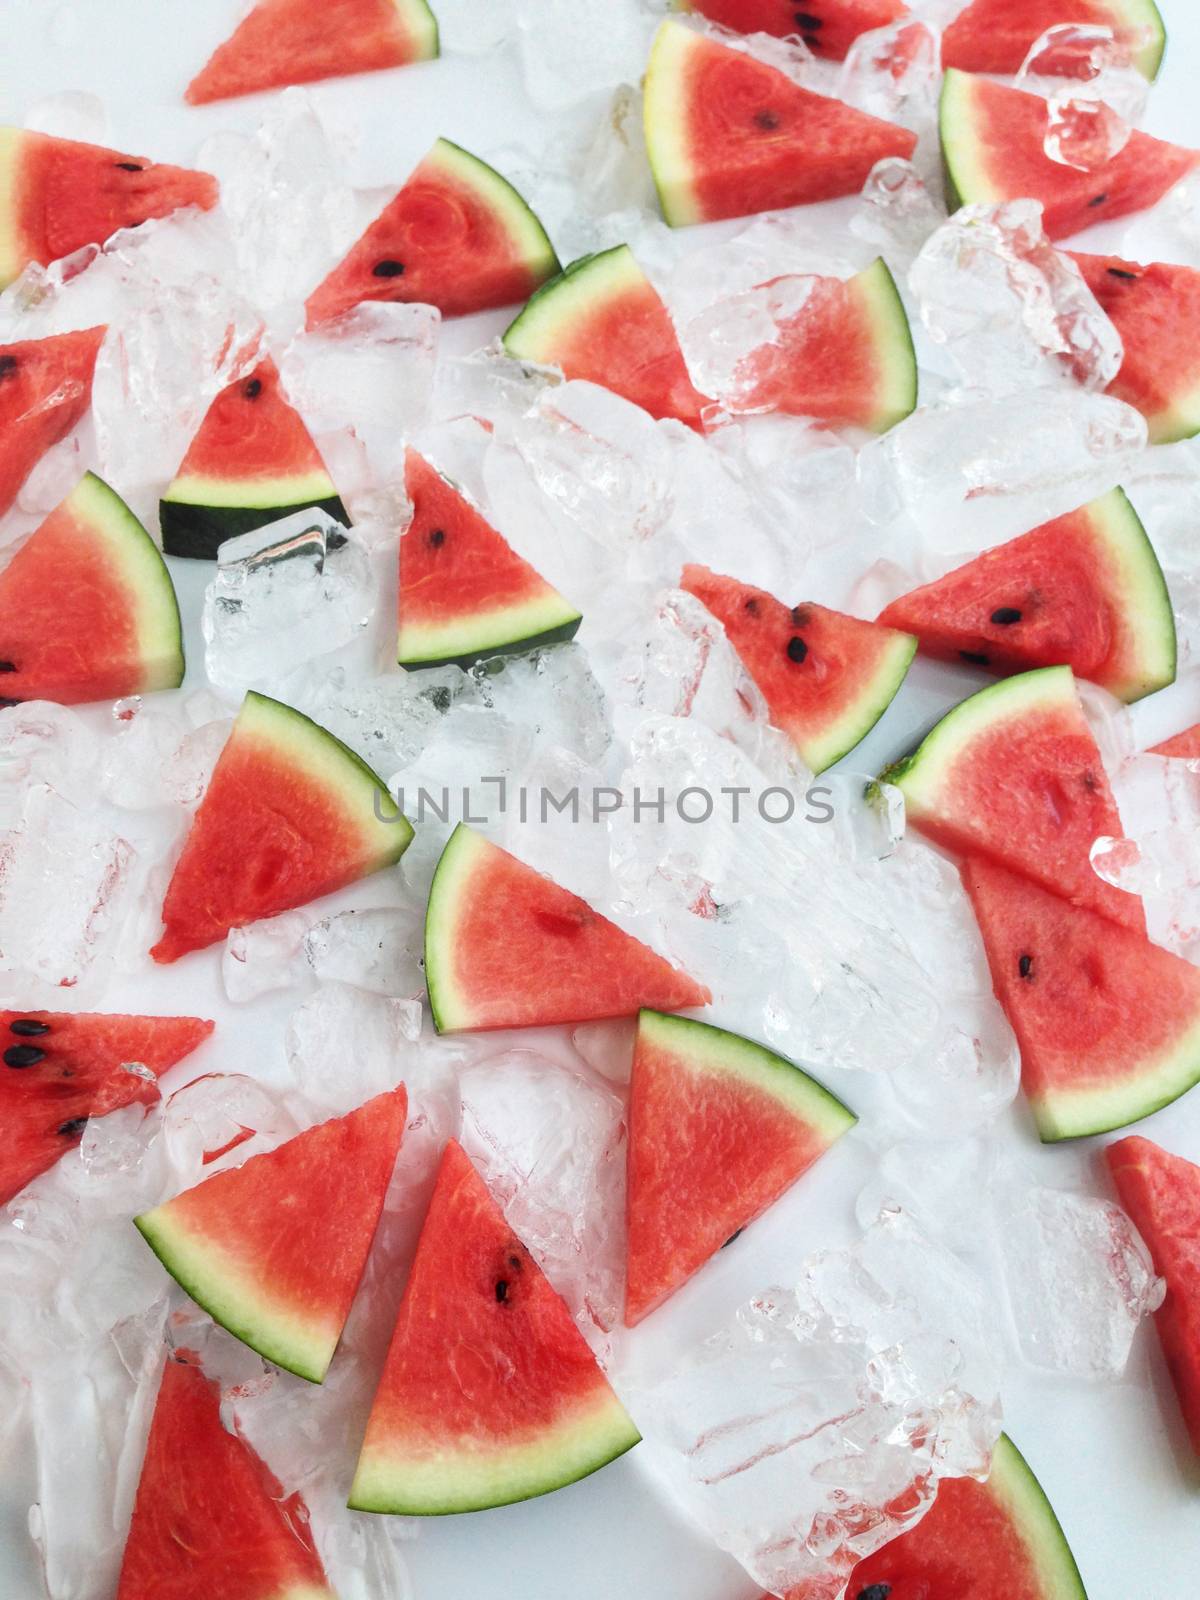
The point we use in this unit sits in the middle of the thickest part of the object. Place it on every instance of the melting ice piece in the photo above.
(345, 1045)
(263, 955)
(218, 1121)
(1160, 858)
(1091, 114)
(387, 720)
(569, 52)
(163, 755)
(45, 743)
(897, 212)
(298, 588)
(379, 949)
(895, 73)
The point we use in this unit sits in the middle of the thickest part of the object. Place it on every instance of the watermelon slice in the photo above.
(211, 1521)
(490, 1393)
(1015, 775)
(1108, 1023)
(61, 1068)
(846, 356)
(505, 947)
(275, 1249)
(465, 594)
(827, 678)
(87, 606)
(1084, 591)
(292, 41)
(993, 148)
(1161, 1193)
(997, 35)
(719, 1127)
(56, 195)
(602, 320)
(290, 814)
(728, 135)
(828, 27)
(1156, 310)
(998, 1540)
(45, 388)
(458, 236)
(252, 461)
(1183, 746)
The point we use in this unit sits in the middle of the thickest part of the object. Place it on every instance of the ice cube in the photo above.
(380, 949)
(897, 212)
(50, 744)
(345, 1045)
(220, 1120)
(607, 1047)
(387, 720)
(264, 955)
(1159, 858)
(1090, 115)
(895, 73)
(163, 753)
(568, 53)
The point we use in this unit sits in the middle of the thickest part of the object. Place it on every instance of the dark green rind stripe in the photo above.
(197, 532)
(471, 658)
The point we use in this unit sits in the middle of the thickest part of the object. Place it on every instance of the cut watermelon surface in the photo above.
(275, 1249)
(1108, 1023)
(1183, 746)
(603, 320)
(993, 144)
(210, 1519)
(465, 594)
(489, 1393)
(87, 607)
(1014, 774)
(997, 35)
(827, 678)
(458, 236)
(1161, 1193)
(293, 41)
(505, 947)
(1156, 310)
(719, 1128)
(828, 27)
(252, 461)
(57, 195)
(61, 1068)
(728, 135)
(1084, 590)
(290, 814)
(45, 388)
(846, 356)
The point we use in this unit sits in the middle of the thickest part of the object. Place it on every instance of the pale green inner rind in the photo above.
(235, 1299)
(665, 118)
(464, 849)
(560, 305)
(488, 630)
(1145, 14)
(860, 717)
(13, 251)
(1146, 602)
(967, 177)
(1142, 1088)
(256, 493)
(1013, 1484)
(705, 1048)
(475, 1479)
(529, 238)
(893, 345)
(422, 26)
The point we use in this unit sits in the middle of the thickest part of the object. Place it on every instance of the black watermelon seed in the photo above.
(753, 607)
(23, 1055)
(1119, 272)
(28, 1028)
(1006, 615)
(1025, 966)
(515, 1263)
(72, 1129)
(252, 388)
(501, 1290)
(875, 1591)
(732, 1237)
(974, 658)
(797, 649)
(388, 269)
(766, 119)
(8, 365)
(1097, 200)
(806, 22)
(1090, 782)
(8, 666)
(437, 538)
(129, 166)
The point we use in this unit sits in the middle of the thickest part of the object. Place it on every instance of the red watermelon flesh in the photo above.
(828, 27)
(274, 1250)
(489, 1393)
(1156, 310)
(997, 35)
(1161, 1193)
(61, 1068)
(292, 41)
(1108, 1023)
(827, 678)
(211, 1521)
(728, 135)
(993, 141)
(1183, 746)
(45, 388)
(60, 195)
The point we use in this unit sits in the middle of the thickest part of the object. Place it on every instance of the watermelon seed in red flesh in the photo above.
(997, 35)
(827, 27)
(45, 388)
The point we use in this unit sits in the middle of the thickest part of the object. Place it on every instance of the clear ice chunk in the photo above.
(897, 212)
(1094, 94)
(264, 956)
(41, 742)
(380, 949)
(163, 754)
(895, 73)
(345, 1045)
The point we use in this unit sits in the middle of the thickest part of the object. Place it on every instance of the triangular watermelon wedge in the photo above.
(1084, 590)
(1183, 746)
(1161, 1193)
(458, 236)
(87, 606)
(57, 1069)
(827, 678)
(57, 195)
(505, 947)
(465, 594)
(602, 320)
(1156, 310)
(1108, 1023)
(274, 1250)
(828, 27)
(1014, 774)
(211, 1521)
(45, 388)
(290, 814)
(993, 145)
(489, 1393)
(292, 41)
(729, 135)
(997, 35)
(719, 1128)
(252, 462)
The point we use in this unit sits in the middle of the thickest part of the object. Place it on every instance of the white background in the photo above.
(1113, 1461)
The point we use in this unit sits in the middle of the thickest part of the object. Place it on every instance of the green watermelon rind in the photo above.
(664, 119)
(1149, 601)
(504, 201)
(1145, 14)
(452, 871)
(195, 532)
(423, 23)
(512, 630)
(869, 704)
(1139, 1094)
(558, 305)
(893, 345)
(956, 132)
(1013, 1481)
